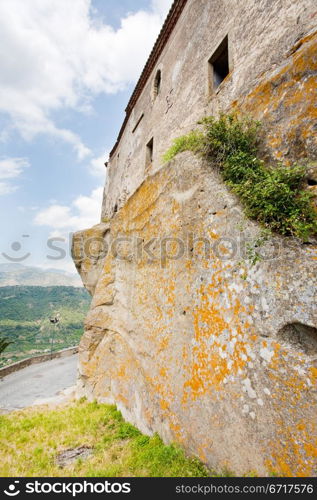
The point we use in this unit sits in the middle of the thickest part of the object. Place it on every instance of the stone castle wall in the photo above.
(262, 34)
(188, 336)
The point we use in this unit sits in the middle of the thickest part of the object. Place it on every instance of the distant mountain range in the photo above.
(19, 275)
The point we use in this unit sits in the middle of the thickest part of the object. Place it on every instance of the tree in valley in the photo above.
(4, 343)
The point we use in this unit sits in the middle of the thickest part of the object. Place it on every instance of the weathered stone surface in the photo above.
(285, 100)
(185, 334)
(88, 251)
(273, 65)
(191, 348)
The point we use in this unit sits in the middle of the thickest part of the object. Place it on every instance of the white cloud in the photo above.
(6, 188)
(161, 7)
(10, 168)
(83, 213)
(97, 165)
(54, 55)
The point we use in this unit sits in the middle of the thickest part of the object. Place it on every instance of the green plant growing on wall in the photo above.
(190, 142)
(274, 196)
(253, 248)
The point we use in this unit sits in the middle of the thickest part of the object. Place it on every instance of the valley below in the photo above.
(39, 320)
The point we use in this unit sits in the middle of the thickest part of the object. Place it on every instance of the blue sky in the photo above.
(67, 71)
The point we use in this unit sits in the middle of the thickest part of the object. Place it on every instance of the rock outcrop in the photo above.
(191, 340)
(199, 329)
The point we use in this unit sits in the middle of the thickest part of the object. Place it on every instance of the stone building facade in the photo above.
(201, 345)
(262, 37)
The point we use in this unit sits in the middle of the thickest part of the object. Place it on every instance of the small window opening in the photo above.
(149, 152)
(219, 64)
(157, 83)
(138, 123)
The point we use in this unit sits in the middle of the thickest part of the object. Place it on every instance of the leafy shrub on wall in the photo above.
(274, 196)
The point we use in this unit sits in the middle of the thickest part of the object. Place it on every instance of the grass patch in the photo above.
(274, 196)
(31, 440)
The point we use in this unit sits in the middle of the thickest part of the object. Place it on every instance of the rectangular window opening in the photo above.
(219, 64)
(149, 153)
(138, 123)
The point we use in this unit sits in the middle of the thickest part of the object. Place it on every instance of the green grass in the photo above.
(274, 196)
(31, 440)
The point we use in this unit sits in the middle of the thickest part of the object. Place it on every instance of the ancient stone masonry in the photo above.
(186, 334)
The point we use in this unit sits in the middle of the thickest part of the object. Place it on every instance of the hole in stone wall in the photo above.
(115, 210)
(300, 336)
(311, 182)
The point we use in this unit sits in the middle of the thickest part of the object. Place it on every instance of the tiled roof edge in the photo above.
(168, 27)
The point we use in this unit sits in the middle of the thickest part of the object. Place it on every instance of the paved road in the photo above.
(37, 383)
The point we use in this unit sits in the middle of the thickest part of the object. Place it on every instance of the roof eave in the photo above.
(167, 29)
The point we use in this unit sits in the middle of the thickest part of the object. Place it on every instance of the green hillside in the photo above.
(25, 313)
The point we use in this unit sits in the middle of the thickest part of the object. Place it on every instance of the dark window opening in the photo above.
(138, 123)
(149, 152)
(157, 83)
(219, 63)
